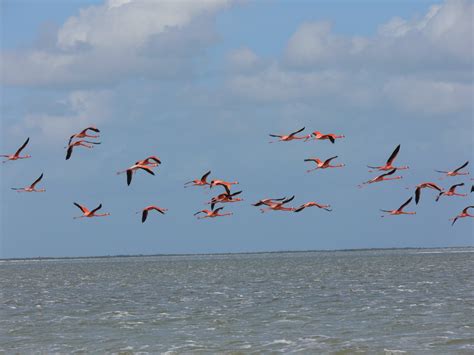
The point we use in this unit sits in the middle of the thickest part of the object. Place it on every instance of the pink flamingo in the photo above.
(213, 213)
(332, 137)
(313, 204)
(463, 214)
(199, 182)
(289, 137)
(30, 188)
(80, 143)
(323, 165)
(455, 172)
(388, 165)
(382, 178)
(17, 156)
(83, 134)
(145, 211)
(399, 210)
(276, 206)
(88, 214)
(451, 192)
(130, 171)
(425, 185)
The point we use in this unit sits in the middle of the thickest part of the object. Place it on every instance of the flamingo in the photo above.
(425, 185)
(451, 192)
(17, 156)
(213, 213)
(87, 213)
(199, 182)
(226, 184)
(455, 172)
(80, 143)
(225, 198)
(463, 214)
(30, 188)
(267, 200)
(319, 136)
(278, 206)
(134, 168)
(323, 165)
(388, 165)
(289, 137)
(144, 212)
(313, 204)
(83, 134)
(383, 178)
(399, 210)
(148, 161)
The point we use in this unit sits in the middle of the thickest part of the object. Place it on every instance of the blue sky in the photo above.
(201, 85)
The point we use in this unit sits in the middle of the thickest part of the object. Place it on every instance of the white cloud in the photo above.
(423, 65)
(119, 39)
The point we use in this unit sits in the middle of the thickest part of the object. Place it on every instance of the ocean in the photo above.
(377, 301)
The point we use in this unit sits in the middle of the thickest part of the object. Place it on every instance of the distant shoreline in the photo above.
(227, 253)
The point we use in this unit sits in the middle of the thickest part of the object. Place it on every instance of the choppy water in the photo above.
(375, 301)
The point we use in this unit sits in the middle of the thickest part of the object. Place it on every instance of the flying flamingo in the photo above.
(455, 172)
(199, 182)
(313, 204)
(425, 185)
(388, 165)
(133, 169)
(225, 198)
(399, 210)
(451, 192)
(17, 156)
(323, 165)
(83, 134)
(289, 137)
(30, 188)
(150, 161)
(226, 184)
(87, 213)
(267, 200)
(213, 213)
(80, 143)
(382, 178)
(144, 212)
(319, 136)
(463, 214)
(278, 206)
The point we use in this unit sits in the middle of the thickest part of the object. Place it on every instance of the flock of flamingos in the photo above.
(268, 204)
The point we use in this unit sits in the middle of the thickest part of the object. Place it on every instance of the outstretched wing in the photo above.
(144, 215)
(417, 194)
(235, 194)
(129, 176)
(465, 210)
(147, 169)
(406, 203)
(91, 129)
(204, 177)
(288, 200)
(37, 181)
(218, 209)
(462, 166)
(452, 188)
(69, 152)
(275, 135)
(23, 146)
(393, 156)
(301, 208)
(329, 160)
(389, 173)
(82, 208)
(296, 132)
(96, 209)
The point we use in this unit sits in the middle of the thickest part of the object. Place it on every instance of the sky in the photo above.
(201, 84)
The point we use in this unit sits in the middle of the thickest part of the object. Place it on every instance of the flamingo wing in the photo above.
(37, 181)
(69, 152)
(465, 210)
(406, 203)
(288, 200)
(452, 188)
(218, 209)
(329, 160)
(202, 211)
(129, 176)
(157, 209)
(389, 173)
(92, 129)
(296, 132)
(454, 220)
(417, 194)
(462, 166)
(96, 209)
(393, 155)
(331, 138)
(82, 208)
(275, 135)
(147, 169)
(299, 209)
(23, 146)
(204, 177)
(434, 186)
(235, 194)
(144, 215)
